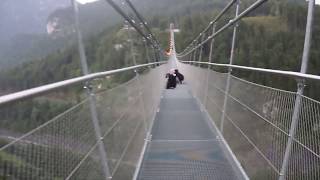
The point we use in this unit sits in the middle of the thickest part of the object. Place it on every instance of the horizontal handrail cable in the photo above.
(229, 24)
(272, 71)
(58, 85)
(225, 9)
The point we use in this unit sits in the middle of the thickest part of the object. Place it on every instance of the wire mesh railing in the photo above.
(272, 132)
(66, 146)
(257, 124)
(99, 133)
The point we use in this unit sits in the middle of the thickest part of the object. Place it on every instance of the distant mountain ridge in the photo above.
(24, 25)
(24, 34)
(27, 16)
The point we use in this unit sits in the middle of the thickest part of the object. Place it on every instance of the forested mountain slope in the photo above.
(63, 61)
(272, 37)
(106, 48)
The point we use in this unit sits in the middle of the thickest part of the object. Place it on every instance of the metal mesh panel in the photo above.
(263, 115)
(253, 163)
(196, 79)
(117, 138)
(273, 104)
(66, 147)
(89, 168)
(201, 85)
(308, 129)
(114, 104)
(124, 141)
(199, 79)
(305, 155)
(217, 80)
(257, 123)
(127, 165)
(51, 150)
(215, 95)
(152, 85)
(214, 110)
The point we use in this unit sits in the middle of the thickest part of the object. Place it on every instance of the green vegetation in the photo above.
(27, 115)
(102, 54)
(272, 38)
(270, 24)
(48, 162)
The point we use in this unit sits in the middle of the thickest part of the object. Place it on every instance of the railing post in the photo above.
(301, 85)
(91, 95)
(147, 50)
(156, 55)
(190, 57)
(194, 56)
(209, 66)
(145, 45)
(201, 47)
(227, 89)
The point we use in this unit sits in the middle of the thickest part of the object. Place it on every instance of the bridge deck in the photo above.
(183, 145)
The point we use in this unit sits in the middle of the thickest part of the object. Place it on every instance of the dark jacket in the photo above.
(179, 76)
(171, 83)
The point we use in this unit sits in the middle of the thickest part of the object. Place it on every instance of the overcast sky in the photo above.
(317, 1)
(87, 1)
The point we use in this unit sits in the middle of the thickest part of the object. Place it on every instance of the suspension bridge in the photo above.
(214, 126)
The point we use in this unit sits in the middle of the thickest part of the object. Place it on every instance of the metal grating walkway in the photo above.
(183, 145)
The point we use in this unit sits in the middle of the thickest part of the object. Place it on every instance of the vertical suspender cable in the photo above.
(209, 66)
(224, 109)
(91, 95)
(301, 85)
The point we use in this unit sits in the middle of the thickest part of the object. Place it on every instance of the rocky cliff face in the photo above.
(60, 23)
(26, 17)
(23, 29)
(32, 29)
